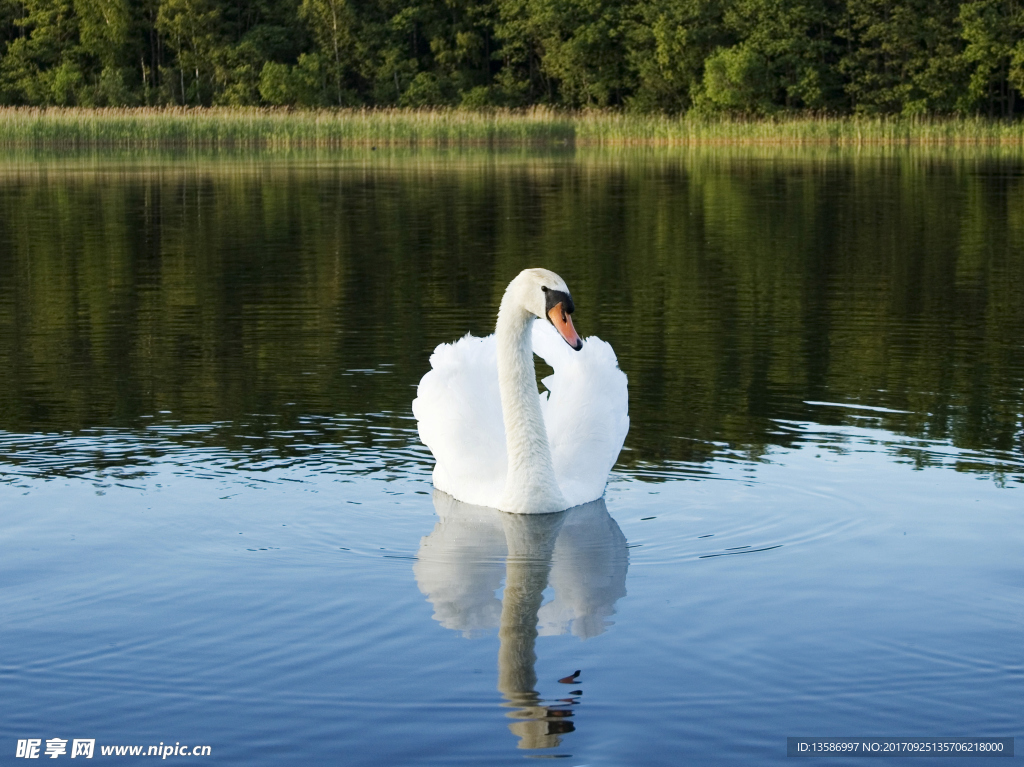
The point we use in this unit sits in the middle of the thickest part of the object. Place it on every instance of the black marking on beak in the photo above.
(559, 305)
(556, 297)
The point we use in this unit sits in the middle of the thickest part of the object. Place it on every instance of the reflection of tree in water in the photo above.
(580, 553)
(225, 292)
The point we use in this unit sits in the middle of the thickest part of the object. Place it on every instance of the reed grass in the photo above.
(253, 128)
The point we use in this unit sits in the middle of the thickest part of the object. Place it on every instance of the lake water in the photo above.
(217, 522)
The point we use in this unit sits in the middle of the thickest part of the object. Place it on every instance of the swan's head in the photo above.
(545, 294)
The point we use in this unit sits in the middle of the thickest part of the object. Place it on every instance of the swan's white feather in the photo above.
(458, 409)
(586, 412)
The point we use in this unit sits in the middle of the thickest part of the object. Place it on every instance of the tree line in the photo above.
(751, 57)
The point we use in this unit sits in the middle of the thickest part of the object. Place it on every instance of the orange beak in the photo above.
(563, 324)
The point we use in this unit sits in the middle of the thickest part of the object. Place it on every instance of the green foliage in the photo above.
(330, 22)
(737, 79)
(902, 57)
(306, 84)
(994, 55)
(104, 26)
(276, 84)
(191, 29)
(427, 90)
(792, 43)
(570, 52)
(115, 87)
(41, 66)
(740, 57)
(668, 44)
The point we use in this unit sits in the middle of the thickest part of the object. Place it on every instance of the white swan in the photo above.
(496, 440)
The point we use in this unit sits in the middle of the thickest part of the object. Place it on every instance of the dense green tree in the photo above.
(784, 56)
(43, 65)
(436, 52)
(902, 56)
(10, 12)
(571, 52)
(331, 24)
(192, 30)
(733, 56)
(994, 54)
(668, 43)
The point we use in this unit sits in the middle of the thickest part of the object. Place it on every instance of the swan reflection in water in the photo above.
(580, 552)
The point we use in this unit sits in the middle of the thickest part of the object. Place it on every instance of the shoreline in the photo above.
(538, 128)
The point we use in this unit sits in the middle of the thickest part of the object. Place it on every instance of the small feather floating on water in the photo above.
(571, 679)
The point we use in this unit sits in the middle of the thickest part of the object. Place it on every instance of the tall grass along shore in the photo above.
(278, 128)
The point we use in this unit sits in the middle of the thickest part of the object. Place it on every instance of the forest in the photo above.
(726, 57)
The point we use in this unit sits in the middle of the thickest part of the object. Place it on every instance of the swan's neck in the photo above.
(530, 485)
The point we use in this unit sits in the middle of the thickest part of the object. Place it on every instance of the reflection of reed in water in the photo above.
(581, 552)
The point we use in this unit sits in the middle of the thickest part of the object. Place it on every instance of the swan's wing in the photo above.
(586, 412)
(458, 410)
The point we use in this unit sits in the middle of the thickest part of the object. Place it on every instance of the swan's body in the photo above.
(497, 441)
